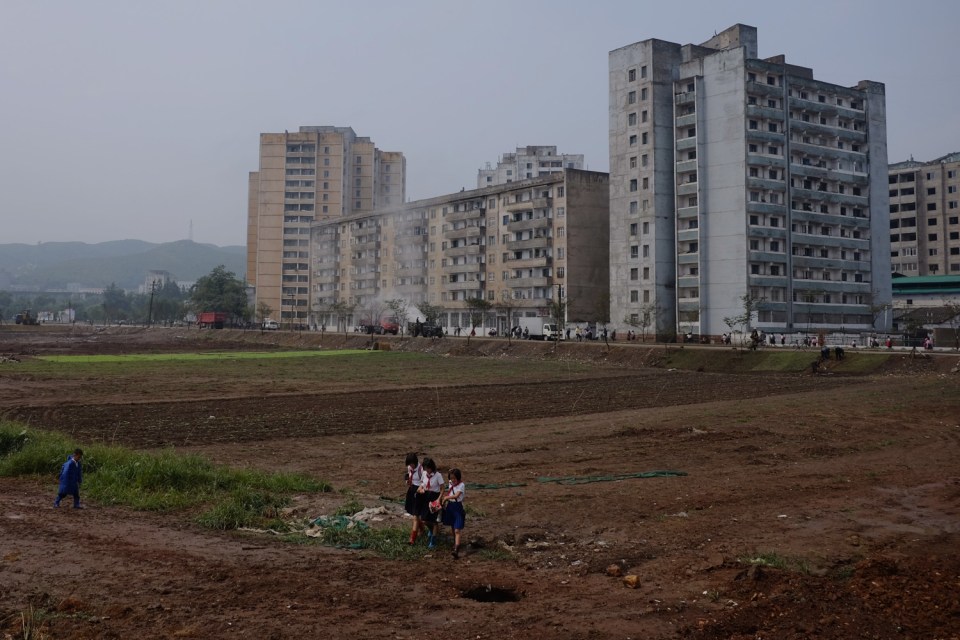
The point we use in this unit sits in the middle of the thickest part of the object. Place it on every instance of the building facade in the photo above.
(525, 163)
(738, 180)
(315, 173)
(925, 216)
(517, 246)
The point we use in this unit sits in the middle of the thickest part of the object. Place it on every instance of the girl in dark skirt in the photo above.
(413, 476)
(427, 500)
(453, 514)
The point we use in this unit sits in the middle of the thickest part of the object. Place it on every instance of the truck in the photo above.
(214, 319)
(381, 326)
(529, 328)
(552, 332)
(25, 317)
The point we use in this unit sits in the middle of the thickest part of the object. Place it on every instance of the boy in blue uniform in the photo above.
(71, 476)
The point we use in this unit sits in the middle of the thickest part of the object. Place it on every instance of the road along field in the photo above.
(811, 506)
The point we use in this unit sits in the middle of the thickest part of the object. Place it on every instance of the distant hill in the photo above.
(54, 265)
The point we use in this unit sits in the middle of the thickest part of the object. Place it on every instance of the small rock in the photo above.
(614, 571)
(631, 581)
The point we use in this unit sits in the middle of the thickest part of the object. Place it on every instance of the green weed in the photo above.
(776, 561)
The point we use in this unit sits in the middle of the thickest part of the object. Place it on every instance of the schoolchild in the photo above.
(453, 514)
(413, 477)
(427, 500)
(71, 477)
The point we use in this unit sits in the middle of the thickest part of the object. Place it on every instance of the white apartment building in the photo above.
(734, 176)
(527, 162)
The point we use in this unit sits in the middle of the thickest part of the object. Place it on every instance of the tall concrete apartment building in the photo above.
(527, 162)
(732, 176)
(925, 216)
(517, 246)
(316, 173)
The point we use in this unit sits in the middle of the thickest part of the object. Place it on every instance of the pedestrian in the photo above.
(428, 498)
(71, 477)
(414, 475)
(453, 514)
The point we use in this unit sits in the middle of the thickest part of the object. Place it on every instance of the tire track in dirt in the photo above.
(146, 424)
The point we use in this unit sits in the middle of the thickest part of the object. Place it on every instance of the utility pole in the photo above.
(153, 288)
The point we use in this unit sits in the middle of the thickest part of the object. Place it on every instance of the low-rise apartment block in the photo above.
(518, 246)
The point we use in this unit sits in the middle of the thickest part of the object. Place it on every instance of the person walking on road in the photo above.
(71, 476)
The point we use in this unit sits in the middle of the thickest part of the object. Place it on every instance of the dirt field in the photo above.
(812, 506)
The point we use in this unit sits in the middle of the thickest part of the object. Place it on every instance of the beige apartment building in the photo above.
(516, 245)
(316, 173)
(925, 216)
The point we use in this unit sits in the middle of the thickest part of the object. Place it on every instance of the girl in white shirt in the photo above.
(430, 487)
(413, 476)
(454, 515)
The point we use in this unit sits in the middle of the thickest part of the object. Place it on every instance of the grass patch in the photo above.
(215, 355)
(226, 498)
(348, 508)
(776, 561)
(391, 542)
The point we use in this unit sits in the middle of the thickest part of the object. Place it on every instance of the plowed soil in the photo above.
(812, 506)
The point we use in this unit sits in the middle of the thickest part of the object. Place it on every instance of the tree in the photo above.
(751, 304)
(953, 308)
(643, 320)
(262, 313)
(431, 312)
(507, 305)
(220, 290)
(478, 310)
(400, 309)
(341, 309)
(114, 302)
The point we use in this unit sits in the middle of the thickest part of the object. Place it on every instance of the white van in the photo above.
(271, 325)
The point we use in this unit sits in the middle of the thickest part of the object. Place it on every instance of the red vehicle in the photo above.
(390, 325)
(215, 319)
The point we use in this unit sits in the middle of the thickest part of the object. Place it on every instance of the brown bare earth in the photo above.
(812, 506)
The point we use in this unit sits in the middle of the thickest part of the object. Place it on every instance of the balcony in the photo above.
(818, 151)
(470, 214)
(764, 137)
(466, 250)
(767, 113)
(524, 263)
(687, 189)
(531, 243)
(688, 258)
(463, 232)
(535, 203)
(764, 207)
(688, 212)
(469, 285)
(688, 281)
(688, 97)
(475, 268)
(687, 120)
(686, 235)
(764, 89)
(687, 165)
(525, 225)
(686, 143)
(534, 281)
(830, 197)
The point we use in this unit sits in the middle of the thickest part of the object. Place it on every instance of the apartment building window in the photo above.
(646, 228)
(561, 272)
(634, 228)
(326, 162)
(646, 295)
(772, 127)
(561, 211)
(633, 206)
(632, 119)
(753, 125)
(752, 148)
(644, 116)
(633, 162)
(643, 71)
(633, 140)
(634, 251)
(634, 273)
(643, 93)
(932, 237)
(634, 295)
(561, 253)
(952, 188)
(633, 184)
(646, 183)
(631, 75)
(644, 160)
(325, 209)
(646, 251)
(646, 273)
(632, 97)
(561, 232)
(644, 138)
(560, 192)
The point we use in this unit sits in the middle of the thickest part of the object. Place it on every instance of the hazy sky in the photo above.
(129, 119)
